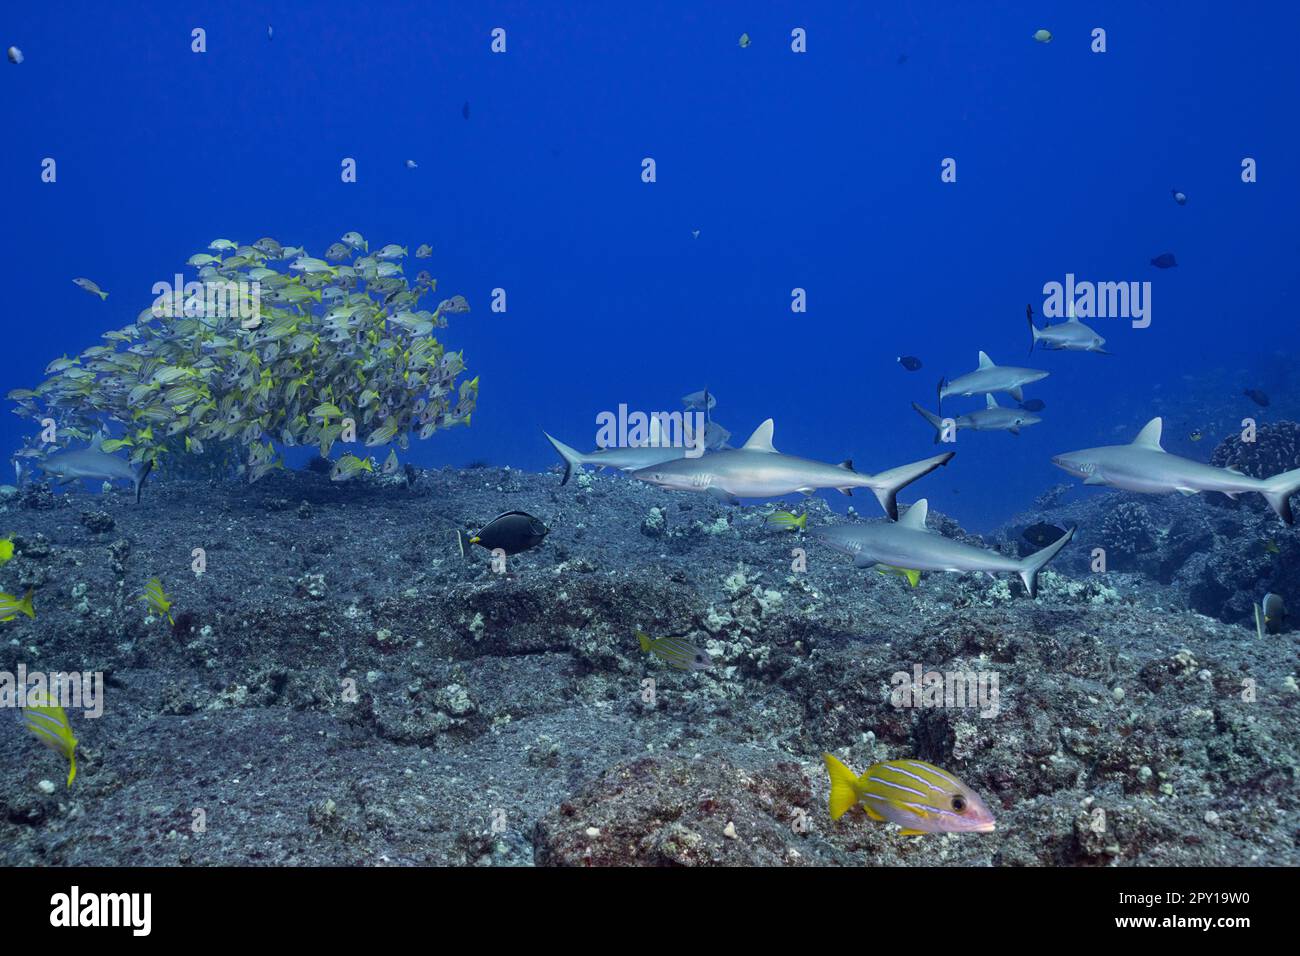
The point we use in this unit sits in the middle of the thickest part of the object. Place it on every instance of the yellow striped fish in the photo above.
(785, 520)
(50, 724)
(157, 599)
(11, 607)
(917, 796)
(912, 576)
(676, 652)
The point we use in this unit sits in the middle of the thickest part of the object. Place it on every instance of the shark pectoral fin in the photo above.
(1016, 393)
(1015, 430)
(1232, 494)
(1187, 491)
(1094, 480)
(845, 491)
(861, 560)
(725, 497)
(806, 492)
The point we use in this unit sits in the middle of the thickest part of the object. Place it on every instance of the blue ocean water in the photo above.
(817, 171)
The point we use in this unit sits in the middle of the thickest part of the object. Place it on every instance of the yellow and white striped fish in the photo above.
(916, 795)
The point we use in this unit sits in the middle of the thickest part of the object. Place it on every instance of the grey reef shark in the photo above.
(1144, 466)
(908, 545)
(757, 470)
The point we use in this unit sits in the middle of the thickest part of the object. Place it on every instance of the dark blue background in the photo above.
(818, 170)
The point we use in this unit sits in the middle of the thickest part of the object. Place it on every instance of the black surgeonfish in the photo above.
(512, 532)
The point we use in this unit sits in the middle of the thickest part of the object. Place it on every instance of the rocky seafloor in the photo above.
(341, 687)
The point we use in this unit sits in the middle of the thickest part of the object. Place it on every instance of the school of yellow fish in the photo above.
(297, 350)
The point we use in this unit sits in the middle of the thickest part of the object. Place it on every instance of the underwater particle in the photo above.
(412, 164)
(1165, 260)
(909, 362)
(11, 607)
(1043, 36)
(1257, 396)
(349, 466)
(676, 652)
(157, 599)
(1179, 197)
(464, 110)
(15, 55)
(511, 532)
(90, 286)
(270, 32)
(892, 791)
(50, 725)
(744, 41)
(695, 233)
(786, 521)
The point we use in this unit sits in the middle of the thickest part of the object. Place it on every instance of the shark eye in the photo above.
(959, 803)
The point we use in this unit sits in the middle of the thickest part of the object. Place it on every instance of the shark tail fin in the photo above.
(141, 474)
(888, 484)
(572, 459)
(1278, 491)
(932, 418)
(1030, 566)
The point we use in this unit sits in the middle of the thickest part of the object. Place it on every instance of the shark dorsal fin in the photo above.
(990, 401)
(761, 440)
(1071, 317)
(1149, 436)
(914, 517)
(655, 431)
(846, 464)
(986, 362)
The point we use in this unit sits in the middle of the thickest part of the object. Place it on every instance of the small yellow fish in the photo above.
(157, 599)
(785, 520)
(917, 796)
(744, 41)
(913, 577)
(90, 286)
(11, 607)
(1270, 547)
(676, 652)
(1043, 36)
(349, 466)
(1196, 435)
(50, 725)
(6, 549)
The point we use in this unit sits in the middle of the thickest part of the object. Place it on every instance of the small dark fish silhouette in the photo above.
(1165, 260)
(909, 362)
(1042, 534)
(464, 110)
(512, 532)
(1035, 405)
(1256, 396)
